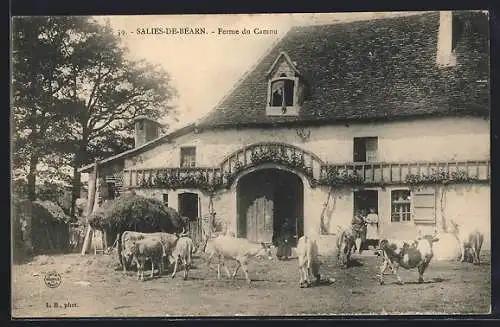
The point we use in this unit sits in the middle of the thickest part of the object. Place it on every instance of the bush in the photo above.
(138, 213)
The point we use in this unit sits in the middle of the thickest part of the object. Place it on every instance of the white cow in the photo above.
(225, 247)
(471, 240)
(168, 241)
(147, 248)
(307, 252)
(183, 252)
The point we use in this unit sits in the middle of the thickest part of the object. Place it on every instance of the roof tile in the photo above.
(372, 69)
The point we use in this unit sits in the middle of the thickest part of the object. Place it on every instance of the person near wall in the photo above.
(284, 250)
(359, 227)
(372, 234)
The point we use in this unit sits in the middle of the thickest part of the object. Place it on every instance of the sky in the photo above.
(204, 68)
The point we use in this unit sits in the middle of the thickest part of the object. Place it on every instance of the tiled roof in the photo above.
(369, 70)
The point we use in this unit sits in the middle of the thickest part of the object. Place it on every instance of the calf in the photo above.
(409, 255)
(307, 252)
(168, 241)
(469, 241)
(473, 245)
(141, 250)
(345, 246)
(183, 251)
(225, 247)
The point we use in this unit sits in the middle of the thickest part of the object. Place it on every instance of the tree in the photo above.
(76, 93)
(105, 93)
(39, 61)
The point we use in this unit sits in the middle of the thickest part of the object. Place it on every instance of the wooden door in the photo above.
(259, 219)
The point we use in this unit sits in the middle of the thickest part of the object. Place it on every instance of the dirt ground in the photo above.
(91, 287)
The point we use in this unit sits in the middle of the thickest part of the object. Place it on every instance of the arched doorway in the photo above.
(265, 199)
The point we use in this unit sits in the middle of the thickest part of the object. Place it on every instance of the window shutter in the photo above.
(424, 206)
(371, 149)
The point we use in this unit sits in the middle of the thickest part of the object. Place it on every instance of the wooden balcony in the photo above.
(170, 177)
(364, 173)
(401, 173)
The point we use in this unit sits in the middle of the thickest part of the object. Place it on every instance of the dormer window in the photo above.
(282, 92)
(283, 82)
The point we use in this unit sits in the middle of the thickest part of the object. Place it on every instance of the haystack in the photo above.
(131, 212)
(136, 213)
(42, 226)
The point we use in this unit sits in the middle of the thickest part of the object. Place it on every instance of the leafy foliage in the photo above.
(439, 176)
(76, 94)
(339, 176)
(274, 155)
(175, 179)
(135, 212)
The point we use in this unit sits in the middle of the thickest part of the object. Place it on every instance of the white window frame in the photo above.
(406, 222)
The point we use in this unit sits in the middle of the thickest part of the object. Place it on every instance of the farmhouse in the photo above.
(391, 114)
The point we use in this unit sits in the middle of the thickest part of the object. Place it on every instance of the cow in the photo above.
(409, 255)
(468, 241)
(345, 246)
(183, 251)
(168, 241)
(143, 249)
(225, 247)
(307, 252)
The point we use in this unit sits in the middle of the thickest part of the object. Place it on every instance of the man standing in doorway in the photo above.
(284, 248)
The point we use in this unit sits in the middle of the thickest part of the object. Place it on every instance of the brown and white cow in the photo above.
(407, 254)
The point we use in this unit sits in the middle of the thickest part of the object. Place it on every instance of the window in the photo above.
(365, 149)
(140, 125)
(188, 157)
(165, 199)
(365, 200)
(282, 93)
(400, 206)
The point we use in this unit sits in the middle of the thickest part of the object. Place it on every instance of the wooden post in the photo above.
(90, 209)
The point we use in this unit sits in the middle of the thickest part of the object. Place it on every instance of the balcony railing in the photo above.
(401, 173)
(209, 178)
(173, 178)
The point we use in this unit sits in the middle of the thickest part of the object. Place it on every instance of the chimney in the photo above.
(146, 129)
(445, 56)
